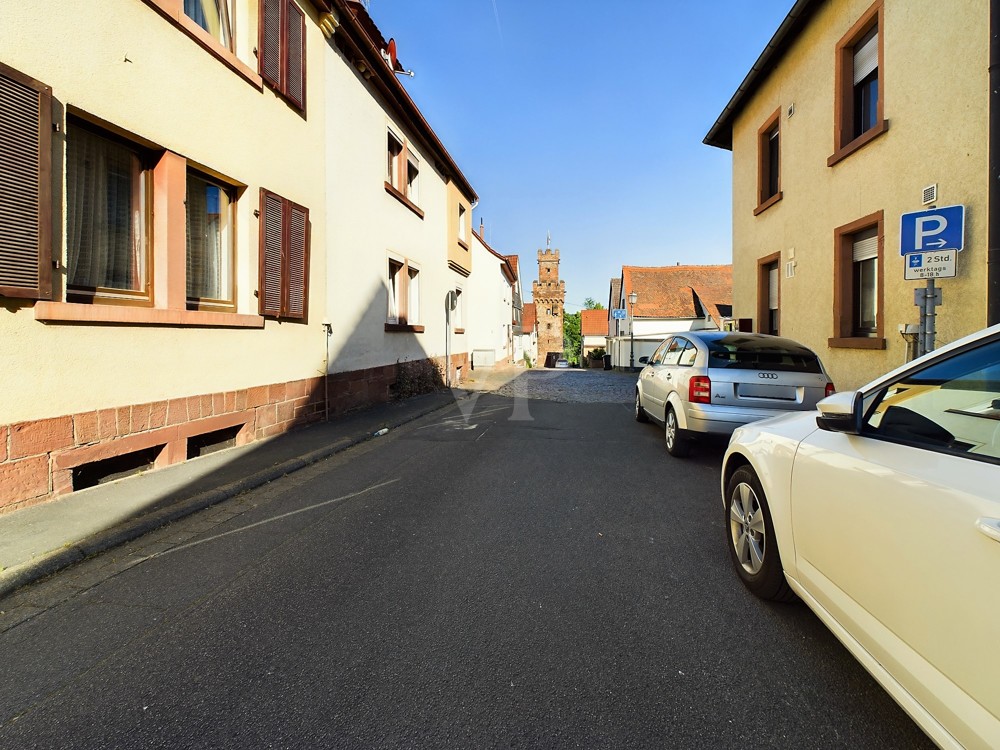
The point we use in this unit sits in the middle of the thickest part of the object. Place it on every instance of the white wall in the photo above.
(488, 308)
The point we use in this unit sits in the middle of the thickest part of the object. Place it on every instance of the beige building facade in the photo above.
(850, 114)
(220, 221)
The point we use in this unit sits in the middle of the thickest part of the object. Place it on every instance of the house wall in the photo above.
(368, 225)
(93, 382)
(936, 105)
(192, 107)
(99, 380)
(488, 306)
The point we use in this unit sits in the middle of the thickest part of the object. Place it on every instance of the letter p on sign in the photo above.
(935, 229)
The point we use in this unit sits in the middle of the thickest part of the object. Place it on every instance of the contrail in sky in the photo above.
(496, 14)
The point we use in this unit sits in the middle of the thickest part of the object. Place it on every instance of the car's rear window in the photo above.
(751, 353)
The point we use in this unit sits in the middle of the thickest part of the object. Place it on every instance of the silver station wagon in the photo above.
(711, 382)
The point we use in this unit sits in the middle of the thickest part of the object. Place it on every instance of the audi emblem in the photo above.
(768, 375)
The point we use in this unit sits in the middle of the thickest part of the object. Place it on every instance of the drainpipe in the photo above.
(993, 258)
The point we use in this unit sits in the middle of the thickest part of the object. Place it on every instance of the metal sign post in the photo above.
(929, 241)
(926, 300)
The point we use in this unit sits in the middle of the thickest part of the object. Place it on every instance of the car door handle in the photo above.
(990, 527)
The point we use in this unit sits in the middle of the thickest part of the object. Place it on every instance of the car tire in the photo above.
(640, 413)
(752, 544)
(678, 446)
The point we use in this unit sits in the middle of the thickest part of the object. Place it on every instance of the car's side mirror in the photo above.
(841, 412)
(643, 360)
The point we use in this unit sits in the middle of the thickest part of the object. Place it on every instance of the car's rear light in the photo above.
(700, 390)
(830, 389)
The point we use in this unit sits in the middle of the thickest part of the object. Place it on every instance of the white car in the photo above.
(882, 512)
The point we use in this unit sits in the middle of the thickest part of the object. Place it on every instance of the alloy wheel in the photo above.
(746, 526)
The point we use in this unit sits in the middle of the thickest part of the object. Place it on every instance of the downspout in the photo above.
(993, 258)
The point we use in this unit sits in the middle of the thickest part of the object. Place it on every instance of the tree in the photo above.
(571, 337)
(591, 304)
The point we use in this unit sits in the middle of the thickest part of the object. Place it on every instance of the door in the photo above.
(897, 534)
(650, 386)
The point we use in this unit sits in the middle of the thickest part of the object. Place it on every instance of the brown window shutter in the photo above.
(25, 186)
(295, 55)
(298, 262)
(272, 230)
(271, 34)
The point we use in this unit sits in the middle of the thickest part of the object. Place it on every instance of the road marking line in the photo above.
(270, 520)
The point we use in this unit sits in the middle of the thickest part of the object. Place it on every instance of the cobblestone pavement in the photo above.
(582, 386)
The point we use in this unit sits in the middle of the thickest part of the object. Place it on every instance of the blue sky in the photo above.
(586, 120)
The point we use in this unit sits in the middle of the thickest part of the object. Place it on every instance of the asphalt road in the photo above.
(552, 580)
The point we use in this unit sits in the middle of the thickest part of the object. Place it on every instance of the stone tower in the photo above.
(549, 295)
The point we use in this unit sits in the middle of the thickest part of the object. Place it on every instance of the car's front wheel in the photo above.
(752, 545)
(640, 413)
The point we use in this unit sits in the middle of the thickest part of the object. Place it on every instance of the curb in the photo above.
(48, 563)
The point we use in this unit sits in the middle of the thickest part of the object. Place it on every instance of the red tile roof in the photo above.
(512, 259)
(594, 322)
(678, 291)
(528, 317)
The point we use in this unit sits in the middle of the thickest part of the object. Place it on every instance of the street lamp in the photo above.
(631, 331)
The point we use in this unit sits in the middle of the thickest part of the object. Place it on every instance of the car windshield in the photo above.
(741, 352)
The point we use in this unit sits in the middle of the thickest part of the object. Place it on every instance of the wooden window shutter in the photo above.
(298, 262)
(295, 55)
(283, 49)
(271, 34)
(25, 186)
(272, 232)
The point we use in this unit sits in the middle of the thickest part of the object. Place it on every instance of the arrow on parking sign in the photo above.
(935, 229)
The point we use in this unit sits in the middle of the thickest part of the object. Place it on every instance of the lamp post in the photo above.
(631, 331)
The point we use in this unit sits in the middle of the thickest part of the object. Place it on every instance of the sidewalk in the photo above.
(42, 539)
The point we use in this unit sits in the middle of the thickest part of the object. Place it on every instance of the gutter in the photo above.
(721, 133)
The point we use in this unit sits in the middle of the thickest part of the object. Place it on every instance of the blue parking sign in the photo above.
(935, 229)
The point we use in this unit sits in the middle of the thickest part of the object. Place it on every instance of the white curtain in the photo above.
(104, 227)
(208, 241)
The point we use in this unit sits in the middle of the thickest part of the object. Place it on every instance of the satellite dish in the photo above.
(392, 54)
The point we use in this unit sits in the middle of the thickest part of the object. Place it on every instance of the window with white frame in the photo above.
(403, 293)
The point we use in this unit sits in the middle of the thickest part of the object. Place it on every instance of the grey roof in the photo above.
(721, 134)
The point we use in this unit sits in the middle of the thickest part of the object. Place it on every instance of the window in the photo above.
(107, 207)
(859, 85)
(214, 17)
(393, 153)
(209, 243)
(403, 312)
(769, 163)
(461, 223)
(25, 162)
(858, 283)
(768, 294)
(688, 356)
(283, 49)
(949, 406)
(673, 351)
(402, 179)
(284, 257)
(864, 299)
(658, 354)
(412, 177)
